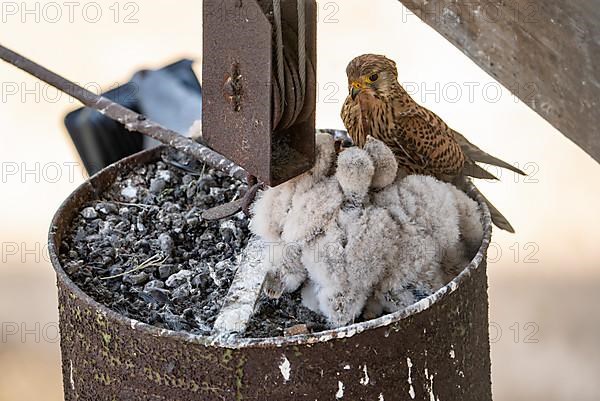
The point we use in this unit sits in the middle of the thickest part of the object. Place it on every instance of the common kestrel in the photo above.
(423, 144)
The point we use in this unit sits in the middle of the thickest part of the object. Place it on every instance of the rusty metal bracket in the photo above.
(232, 208)
(241, 101)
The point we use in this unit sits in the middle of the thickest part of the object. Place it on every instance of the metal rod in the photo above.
(131, 120)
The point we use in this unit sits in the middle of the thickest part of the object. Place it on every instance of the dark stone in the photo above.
(136, 279)
(157, 185)
(165, 271)
(181, 292)
(107, 208)
(154, 284)
(179, 278)
(155, 296)
(166, 243)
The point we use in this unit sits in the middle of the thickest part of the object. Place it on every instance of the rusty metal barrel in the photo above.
(435, 350)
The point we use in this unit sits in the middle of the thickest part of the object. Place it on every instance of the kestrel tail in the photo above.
(423, 144)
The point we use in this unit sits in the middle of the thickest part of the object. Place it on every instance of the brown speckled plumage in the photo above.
(422, 142)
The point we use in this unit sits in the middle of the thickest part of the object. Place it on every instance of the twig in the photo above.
(141, 206)
(130, 119)
(153, 261)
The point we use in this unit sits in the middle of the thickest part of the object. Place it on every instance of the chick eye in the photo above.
(374, 77)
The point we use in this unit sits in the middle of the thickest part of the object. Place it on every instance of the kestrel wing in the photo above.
(472, 169)
(429, 142)
(474, 153)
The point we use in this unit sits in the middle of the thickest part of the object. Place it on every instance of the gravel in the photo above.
(143, 250)
(273, 317)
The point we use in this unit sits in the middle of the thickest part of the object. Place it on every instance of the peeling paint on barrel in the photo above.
(285, 369)
(411, 390)
(340, 392)
(365, 380)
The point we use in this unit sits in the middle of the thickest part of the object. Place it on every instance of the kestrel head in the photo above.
(372, 74)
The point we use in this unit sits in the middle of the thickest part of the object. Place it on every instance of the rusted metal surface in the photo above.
(232, 208)
(242, 114)
(435, 349)
(547, 52)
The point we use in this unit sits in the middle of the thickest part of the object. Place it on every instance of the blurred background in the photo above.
(545, 320)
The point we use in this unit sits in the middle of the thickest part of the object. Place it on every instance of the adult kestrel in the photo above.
(423, 144)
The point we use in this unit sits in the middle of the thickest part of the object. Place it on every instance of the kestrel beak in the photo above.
(356, 88)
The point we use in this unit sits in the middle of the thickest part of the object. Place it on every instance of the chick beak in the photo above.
(354, 92)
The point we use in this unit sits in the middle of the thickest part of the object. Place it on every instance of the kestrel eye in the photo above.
(374, 77)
